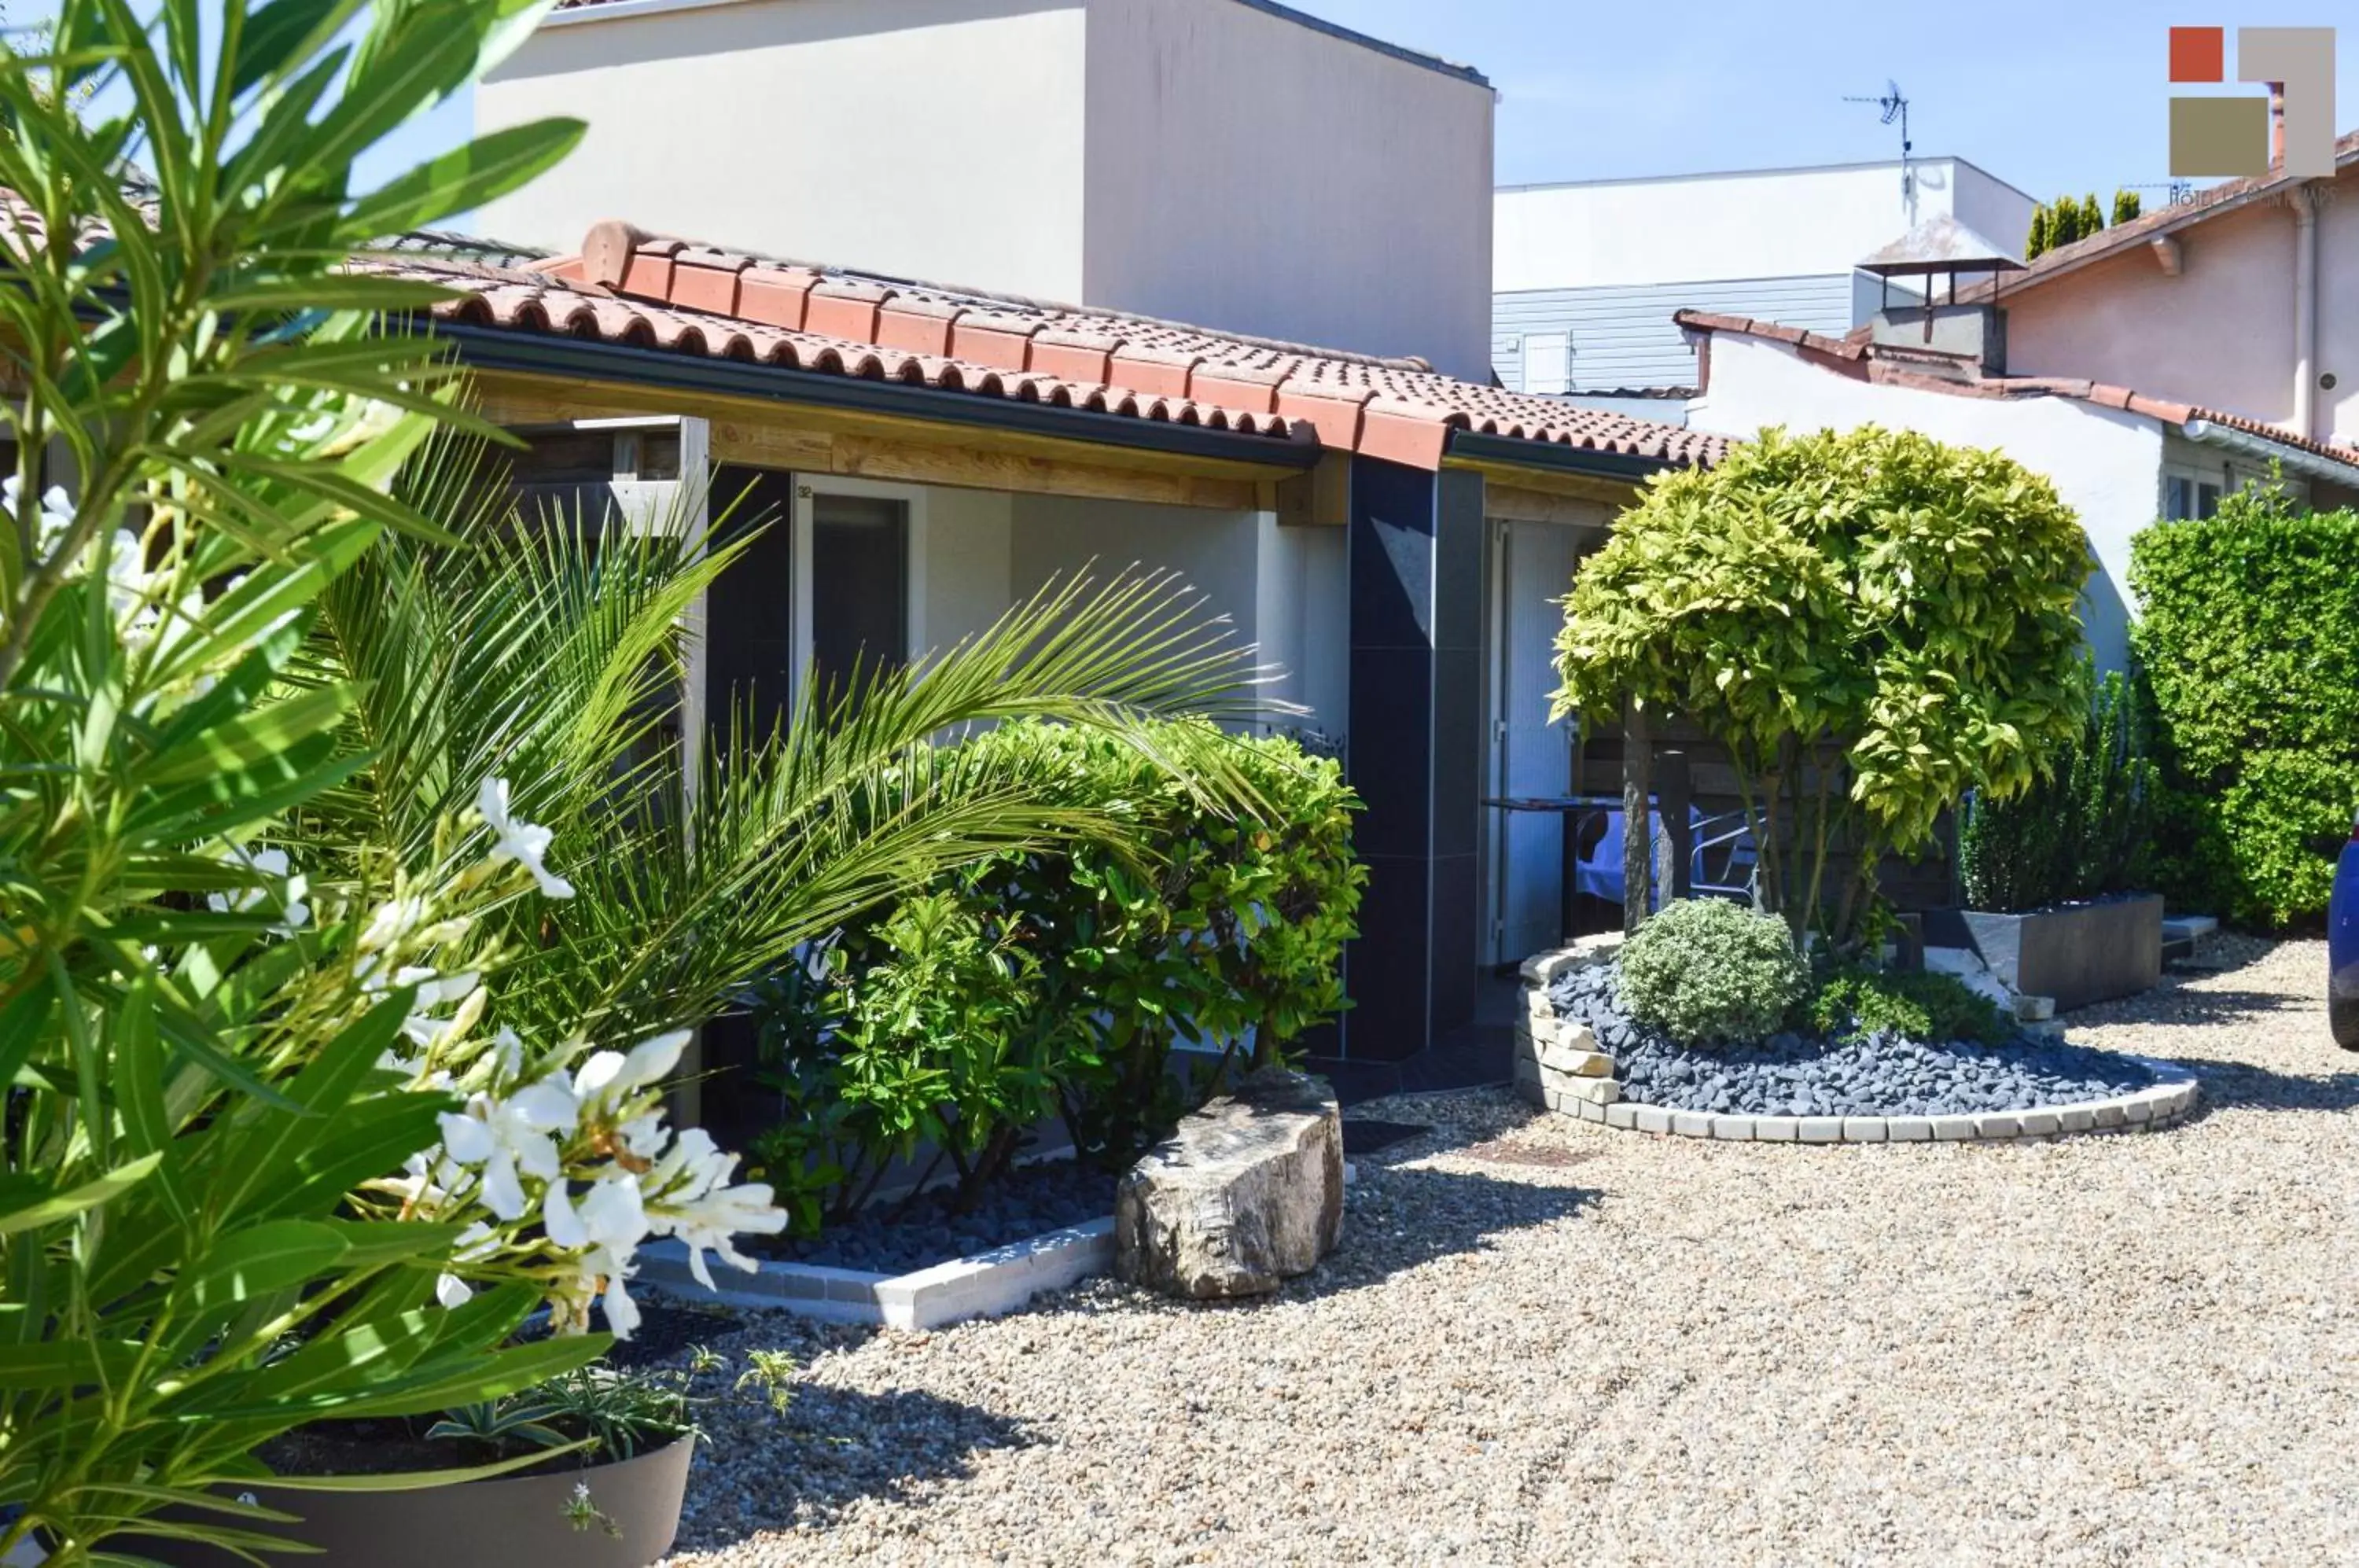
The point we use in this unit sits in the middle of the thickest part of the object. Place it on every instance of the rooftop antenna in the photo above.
(1894, 105)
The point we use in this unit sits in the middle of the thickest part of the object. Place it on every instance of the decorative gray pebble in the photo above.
(1874, 1074)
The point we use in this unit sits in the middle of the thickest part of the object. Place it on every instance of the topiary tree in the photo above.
(1901, 609)
(2127, 206)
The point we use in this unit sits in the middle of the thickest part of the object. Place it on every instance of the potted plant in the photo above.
(592, 1467)
(2052, 904)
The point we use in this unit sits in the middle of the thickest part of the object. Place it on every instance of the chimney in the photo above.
(2276, 127)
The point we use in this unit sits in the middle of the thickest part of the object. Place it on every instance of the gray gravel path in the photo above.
(1543, 1341)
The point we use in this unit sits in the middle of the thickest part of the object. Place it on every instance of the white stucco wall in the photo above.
(1767, 224)
(1248, 172)
(934, 138)
(2105, 463)
(1217, 552)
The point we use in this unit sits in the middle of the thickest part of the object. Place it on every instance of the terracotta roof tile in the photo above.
(538, 302)
(1400, 407)
(1959, 376)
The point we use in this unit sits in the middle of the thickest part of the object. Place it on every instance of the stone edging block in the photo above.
(1558, 1065)
(988, 1284)
(2159, 1104)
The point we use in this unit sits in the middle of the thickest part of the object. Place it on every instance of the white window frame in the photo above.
(808, 488)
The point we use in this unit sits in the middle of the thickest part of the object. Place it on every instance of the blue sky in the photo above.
(2053, 95)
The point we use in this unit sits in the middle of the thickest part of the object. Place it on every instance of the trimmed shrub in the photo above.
(1923, 1005)
(1710, 972)
(1058, 983)
(2249, 642)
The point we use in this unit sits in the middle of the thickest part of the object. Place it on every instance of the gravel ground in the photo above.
(1879, 1074)
(1543, 1341)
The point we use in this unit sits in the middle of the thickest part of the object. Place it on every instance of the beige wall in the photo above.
(939, 138)
(1201, 160)
(1247, 172)
(2221, 333)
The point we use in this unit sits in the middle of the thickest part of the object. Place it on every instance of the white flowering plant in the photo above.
(213, 1055)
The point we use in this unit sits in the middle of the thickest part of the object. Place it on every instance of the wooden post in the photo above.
(1637, 839)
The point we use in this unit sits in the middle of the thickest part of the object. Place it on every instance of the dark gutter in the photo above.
(1556, 457)
(494, 348)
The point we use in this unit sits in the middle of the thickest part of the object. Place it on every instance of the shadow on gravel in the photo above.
(2196, 1010)
(2241, 1083)
(1409, 1216)
(832, 1447)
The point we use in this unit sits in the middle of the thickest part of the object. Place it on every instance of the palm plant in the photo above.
(552, 653)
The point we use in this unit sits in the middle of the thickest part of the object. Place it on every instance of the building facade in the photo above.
(1586, 275)
(1229, 163)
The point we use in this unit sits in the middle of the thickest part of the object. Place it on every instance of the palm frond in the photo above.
(552, 653)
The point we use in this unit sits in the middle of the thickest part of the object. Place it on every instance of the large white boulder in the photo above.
(1247, 1193)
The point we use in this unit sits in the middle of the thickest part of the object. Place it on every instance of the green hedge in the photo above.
(1043, 984)
(2248, 641)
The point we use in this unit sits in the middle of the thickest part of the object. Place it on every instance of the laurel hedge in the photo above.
(2248, 644)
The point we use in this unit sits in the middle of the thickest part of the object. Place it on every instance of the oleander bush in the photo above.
(2248, 641)
(1920, 1006)
(1712, 971)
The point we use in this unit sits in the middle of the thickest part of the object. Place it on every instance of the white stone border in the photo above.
(1558, 1066)
(987, 1284)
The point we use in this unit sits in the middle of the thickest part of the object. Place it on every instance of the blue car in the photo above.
(2342, 948)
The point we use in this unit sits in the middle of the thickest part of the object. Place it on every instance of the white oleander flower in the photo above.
(57, 514)
(612, 1076)
(390, 922)
(515, 839)
(294, 913)
(509, 1139)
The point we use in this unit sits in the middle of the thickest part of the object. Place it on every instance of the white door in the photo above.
(1531, 756)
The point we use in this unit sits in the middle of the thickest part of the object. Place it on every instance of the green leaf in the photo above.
(467, 177)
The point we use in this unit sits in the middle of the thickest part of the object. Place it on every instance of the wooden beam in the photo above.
(1517, 504)
(761, 433)
(1616, 493)
(1321, 498)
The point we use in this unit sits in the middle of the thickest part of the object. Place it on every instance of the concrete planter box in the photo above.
(2076, 953)
(509, 1522)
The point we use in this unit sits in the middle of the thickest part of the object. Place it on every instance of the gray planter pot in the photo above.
(515, 1522)
(2077, 954)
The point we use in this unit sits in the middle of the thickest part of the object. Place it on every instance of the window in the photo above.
(860, 584)
(1548, 362)
(2186, 495)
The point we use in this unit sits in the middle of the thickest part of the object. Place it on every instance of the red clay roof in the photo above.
(676, 294)
(540, 299)
(1936, 370)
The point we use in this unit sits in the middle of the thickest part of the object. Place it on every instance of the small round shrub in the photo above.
(1710, 972)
